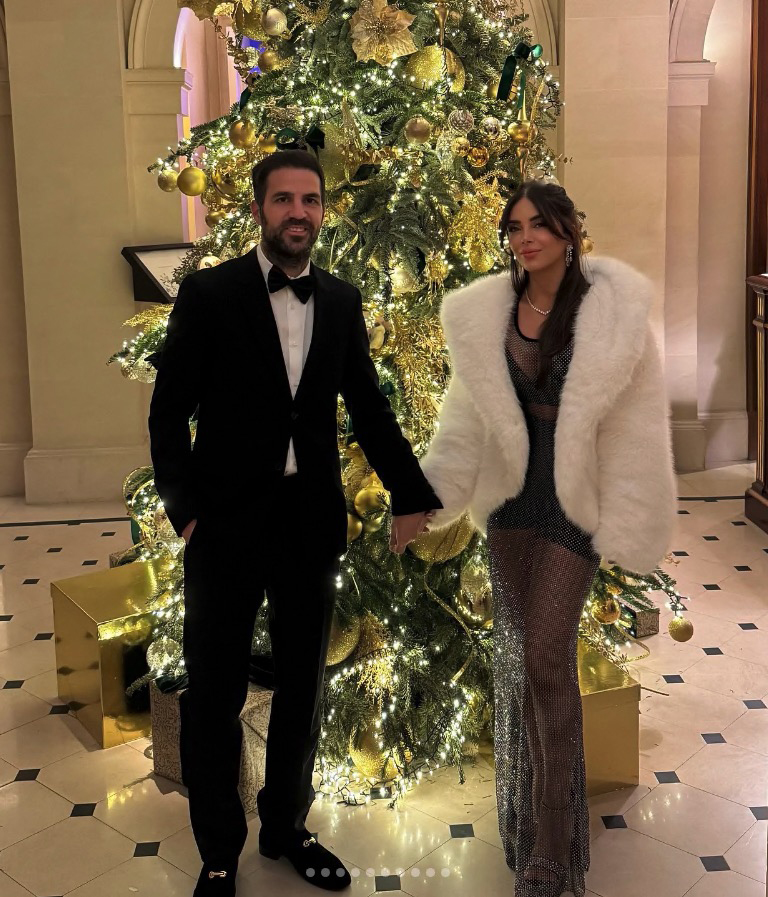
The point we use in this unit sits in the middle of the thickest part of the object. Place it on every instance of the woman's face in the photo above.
(534, 245)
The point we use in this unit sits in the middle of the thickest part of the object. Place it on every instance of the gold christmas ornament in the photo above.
(522, 130)
(680, 628)
(418, 129)
(461, 120)
(443, 544)
(274, 22)
(436, 270)
(374, 524)
(214, 216)
(250, 245)
(481, 259)
(460, 146)
(474, 602)
(192, 181)
(167, 179)
(606, 612)
(426, 66)
(587, 245)
(354, 528)
(342, 642)
(224, 181)
(248, 21)
(478, 156)
(403, 282)
(491, 127)
(380, 32)
(163, 652)
(269, 60)
(242, 134)
(267, 145)
(371, 499)
(208, 261)
(370, 759)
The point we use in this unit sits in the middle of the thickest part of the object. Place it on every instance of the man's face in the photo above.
(292, 214)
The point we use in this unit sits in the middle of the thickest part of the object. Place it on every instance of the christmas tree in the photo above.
(424, 117)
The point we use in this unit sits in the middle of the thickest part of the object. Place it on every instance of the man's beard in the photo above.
(281, 247)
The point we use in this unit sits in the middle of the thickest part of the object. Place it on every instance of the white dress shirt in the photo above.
(294, 322)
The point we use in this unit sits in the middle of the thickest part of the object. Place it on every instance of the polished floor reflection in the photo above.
(76, 820)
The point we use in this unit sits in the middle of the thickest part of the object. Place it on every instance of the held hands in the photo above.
(407, 527)
(186, 534)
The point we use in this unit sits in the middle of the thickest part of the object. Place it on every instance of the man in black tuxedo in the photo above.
(261, 347)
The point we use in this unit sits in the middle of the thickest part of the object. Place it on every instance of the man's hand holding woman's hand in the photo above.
(407, 527)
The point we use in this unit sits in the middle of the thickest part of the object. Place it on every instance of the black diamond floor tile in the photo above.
(759, 812)
(748, 626)
(89, 563)
(147, 849)
(54, 550)
(27, 775)
(711, 586)
(107, 534)
(6, 618)
(711, 538)
(713, 738)
(58, 709)
(742, 568)
(713, 651)
(14, 683)
(31, 582)
(739, 522)
(614, 822)
(755, 704)
(666, 778)
(680, 554)
(21, 538)
(387, 882)
(684, 512)
(83, 810)
(462, 830)
(715, 864)
(674, 679)
(43, 636)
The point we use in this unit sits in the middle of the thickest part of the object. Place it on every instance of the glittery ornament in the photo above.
(380, 32)
(247, 247)
(354, 527)
(208, 261)
(418, 129)
(192, 181)
(274, 22)
(461, 120)
(214, 216)
(491, 127)
(481, 258)
(269, 60)
(167, 179)
(474, 601)
(460, 146)
(163, 652)
(242, 134)
(371, 499)
(681, 629)
(426, 66)
(443, 544)
(267, 145)
(342, 642)
(478, 156)
(607, 611)
(436, 270)
(248, 21)
(371, 759)
(403, 282)
(225, 182)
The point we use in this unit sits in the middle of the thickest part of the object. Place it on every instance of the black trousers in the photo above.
(228, 569)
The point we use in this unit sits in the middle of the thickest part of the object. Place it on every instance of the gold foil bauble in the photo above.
(418, 129)
(587, 245)
(403, 282)
(443, 544)
(491, 126)
(371, 760)
(607, 611)
(224, 182)
(478, 156)
(274, 22)
(481, 259)
(214, 216)
(242, 134)
(374, 523)
(342, 642)
(460, 146)
(461, 120)
(354, 528)
(167, 179)
(522, 131)
(474, 601)
(680, 629)
(163, 652)
(269, 60)
(371, 499)
(192, 181)
(208, 261)
(425, 66)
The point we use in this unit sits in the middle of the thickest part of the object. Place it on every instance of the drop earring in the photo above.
(569, 255)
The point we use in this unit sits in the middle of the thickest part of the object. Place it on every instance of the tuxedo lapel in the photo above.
(257, 312)
(320, 328)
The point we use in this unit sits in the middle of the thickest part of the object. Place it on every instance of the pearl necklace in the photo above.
(528, 298)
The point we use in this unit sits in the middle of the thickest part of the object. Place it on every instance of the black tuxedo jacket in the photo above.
(222, 358)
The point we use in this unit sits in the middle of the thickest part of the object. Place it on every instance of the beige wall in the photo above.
(721, 320)
(614, 75)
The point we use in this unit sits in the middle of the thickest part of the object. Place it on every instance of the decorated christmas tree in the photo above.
(424, 116)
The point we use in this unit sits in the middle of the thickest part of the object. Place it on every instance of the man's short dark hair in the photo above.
(290, 158)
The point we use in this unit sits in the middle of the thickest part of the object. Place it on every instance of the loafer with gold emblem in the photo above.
(310, 859)
(216, 881)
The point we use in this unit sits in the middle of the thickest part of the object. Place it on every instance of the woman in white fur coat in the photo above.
(554, 435)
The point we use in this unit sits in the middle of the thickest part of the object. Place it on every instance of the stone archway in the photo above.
(152, 35)
(688, 23)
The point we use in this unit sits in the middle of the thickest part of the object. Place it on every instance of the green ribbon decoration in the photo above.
(287, 138)
(521, 53)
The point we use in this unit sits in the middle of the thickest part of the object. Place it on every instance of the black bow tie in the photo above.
(302, 286)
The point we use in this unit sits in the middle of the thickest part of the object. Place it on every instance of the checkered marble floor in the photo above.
(79, 821)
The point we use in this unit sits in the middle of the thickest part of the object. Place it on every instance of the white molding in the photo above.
(689, 83)
(688, 23)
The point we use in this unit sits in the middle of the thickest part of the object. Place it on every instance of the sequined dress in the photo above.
(542, 566)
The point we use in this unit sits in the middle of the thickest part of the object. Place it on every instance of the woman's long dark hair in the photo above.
(559, 214)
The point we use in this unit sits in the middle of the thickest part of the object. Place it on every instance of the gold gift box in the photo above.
(102, 629)
(610, 700)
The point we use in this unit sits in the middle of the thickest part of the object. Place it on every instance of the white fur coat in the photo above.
(614, 472)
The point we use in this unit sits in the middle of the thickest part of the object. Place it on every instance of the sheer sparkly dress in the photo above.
(542, 566)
